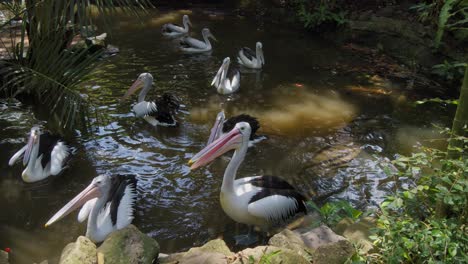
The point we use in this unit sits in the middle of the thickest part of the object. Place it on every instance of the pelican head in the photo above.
(33, 143)
(259, 50)
(222, 72)
(207, 33)
(99, 187)
(232, 140)
(186, 20)
(144, 78)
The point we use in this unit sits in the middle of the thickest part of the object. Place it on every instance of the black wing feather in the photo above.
(47, 143)
(232, 121)
(117, 191)
(250, 54)
(167, 105)
(184, 43)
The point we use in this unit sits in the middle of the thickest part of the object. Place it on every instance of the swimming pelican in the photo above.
(250, 59)
(43, 155)
(192, 45)
(107, 204)
(223, 125)
(159, 112)
(173, 30)
(226, 80)
(261, 201)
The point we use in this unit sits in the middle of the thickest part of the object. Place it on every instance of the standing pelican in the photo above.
(159, 112)
(192, 45)
(262, 201)
(173, 30)
(226, 80)
(250, 59)
(43, 155)
(107, 204)
(223, 125)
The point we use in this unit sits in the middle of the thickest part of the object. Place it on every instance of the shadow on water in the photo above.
(328, 134)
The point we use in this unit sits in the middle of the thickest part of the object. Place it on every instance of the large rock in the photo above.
(290, 240)
(269, 254)
(3, 257)
(83, 251)
(128, 246)
(358, 232)
(213, 252)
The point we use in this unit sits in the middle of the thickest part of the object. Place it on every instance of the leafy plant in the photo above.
(314, 15)
(449, 70)
(265, 259)
(409, 230)
(43, 67)
(333, 212)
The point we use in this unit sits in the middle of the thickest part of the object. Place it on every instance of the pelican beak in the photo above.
(91, 192)
(190, 23)
(217, 127)
(229, 141)
(262, 58)
(33, 138)
(211, 35)
(135, 86)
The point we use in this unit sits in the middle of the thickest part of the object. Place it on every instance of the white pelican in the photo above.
(173, 30)
(158, 112)
(226, 80)
(192, 45)
(223, 125)
(261, 201)
(108, 205)
(43, 155)
(250, 59)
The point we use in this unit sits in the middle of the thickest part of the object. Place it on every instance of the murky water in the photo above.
(329, 138)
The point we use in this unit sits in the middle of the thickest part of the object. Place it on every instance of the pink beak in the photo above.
(91, 192)
(135, 86)
(229, 141)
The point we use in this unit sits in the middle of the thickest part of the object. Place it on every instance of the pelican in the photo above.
(43, 155)
(192, 45)
(249, 59)
(226, 80)
(262, 201)
(107, 204)
(173, 30)
(159, 112)
(223, 125)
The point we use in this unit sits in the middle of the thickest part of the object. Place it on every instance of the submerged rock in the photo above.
(128, 246)
(83, 251)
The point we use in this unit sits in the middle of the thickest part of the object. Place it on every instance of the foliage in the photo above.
(409, 231)
(265, 259)
(43, 65)
(450, 71)
(333, 212)
(447, 15)
(313, 15)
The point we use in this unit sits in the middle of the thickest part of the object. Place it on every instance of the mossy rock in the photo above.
(129, 246)
(83, 251)
(269, 254)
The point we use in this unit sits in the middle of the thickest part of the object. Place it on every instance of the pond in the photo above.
(330, 133)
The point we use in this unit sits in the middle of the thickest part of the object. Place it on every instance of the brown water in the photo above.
(304, 104)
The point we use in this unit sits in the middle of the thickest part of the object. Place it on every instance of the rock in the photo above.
(128, 246)
(342, 225)
(83, 251)
(329, 247)
(290, 240)
(359, 232)
(269, 254)
(3, 257)
(215, 251)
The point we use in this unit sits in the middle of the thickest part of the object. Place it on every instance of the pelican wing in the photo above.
(217, 79)
(276, 206)
(121, 199)
(47, 143)
(189, 42)
(172, 27)
(248, 53)
(145, 108)
(86, 209)
(126, 206)
(58, 157)
(17, 156)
